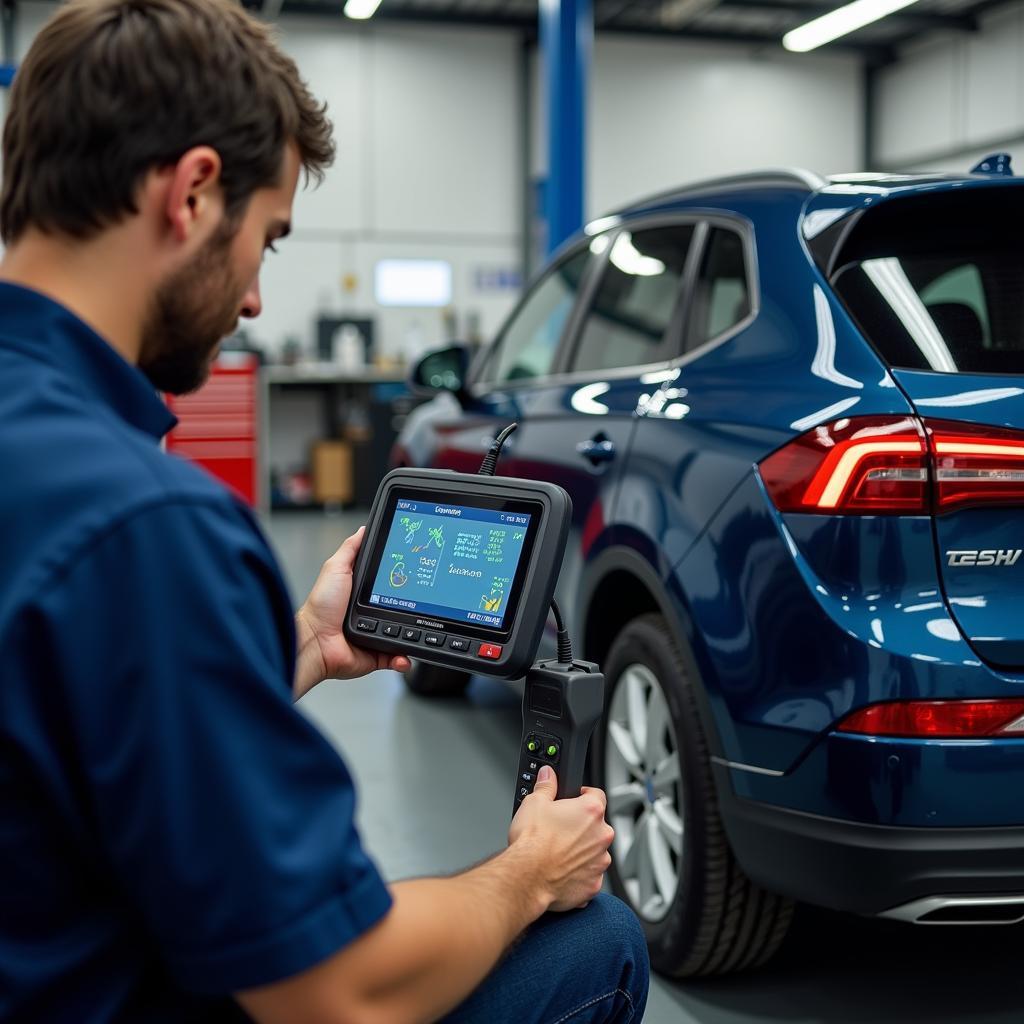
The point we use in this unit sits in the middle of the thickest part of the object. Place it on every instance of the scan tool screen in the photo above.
(458, 562)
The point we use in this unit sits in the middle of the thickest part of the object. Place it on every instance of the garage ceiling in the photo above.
(751, 22)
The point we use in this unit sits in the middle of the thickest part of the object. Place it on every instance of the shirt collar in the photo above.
(42, 328)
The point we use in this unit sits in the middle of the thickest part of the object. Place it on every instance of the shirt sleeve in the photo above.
(225, 817)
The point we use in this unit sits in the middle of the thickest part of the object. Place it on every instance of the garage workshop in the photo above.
(510, 511)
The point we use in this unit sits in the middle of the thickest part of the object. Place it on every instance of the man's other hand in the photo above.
(573, 836)
(323, 650)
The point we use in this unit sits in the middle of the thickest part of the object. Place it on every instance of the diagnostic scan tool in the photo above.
(459, 570)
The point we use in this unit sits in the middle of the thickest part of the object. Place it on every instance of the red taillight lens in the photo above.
(939, 719)
(976, 465)
(884, 465)
(869, 465)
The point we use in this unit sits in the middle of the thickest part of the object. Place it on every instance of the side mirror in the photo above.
(445, 369)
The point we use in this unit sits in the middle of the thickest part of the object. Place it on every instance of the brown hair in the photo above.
(114, 88)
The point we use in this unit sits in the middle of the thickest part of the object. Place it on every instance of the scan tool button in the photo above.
(411, 634)
(457, 643)
(434, 639)
(391, 629)
(366, 625)
(491, 651)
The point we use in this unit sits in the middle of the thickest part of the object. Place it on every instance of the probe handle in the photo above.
(561, 705)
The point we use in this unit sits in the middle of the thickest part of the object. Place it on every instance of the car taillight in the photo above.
(976, 465)
(939, 719)
(868, 465)
(885, 465)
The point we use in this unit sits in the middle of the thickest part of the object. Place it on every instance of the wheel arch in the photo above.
(621, 584)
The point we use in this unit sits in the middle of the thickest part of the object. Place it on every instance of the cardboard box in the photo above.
(332, 472)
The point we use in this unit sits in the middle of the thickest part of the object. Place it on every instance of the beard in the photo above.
(191, 313)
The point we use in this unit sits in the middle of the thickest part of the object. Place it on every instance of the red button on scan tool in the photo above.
(492, 651)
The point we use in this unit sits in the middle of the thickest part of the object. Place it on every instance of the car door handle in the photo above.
(597, 449)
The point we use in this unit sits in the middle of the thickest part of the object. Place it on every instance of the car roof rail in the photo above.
(772, 177)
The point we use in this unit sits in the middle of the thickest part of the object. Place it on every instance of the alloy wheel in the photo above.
(645, 794)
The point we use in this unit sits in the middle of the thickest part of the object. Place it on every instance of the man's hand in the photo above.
(323, 650)
(573, 835)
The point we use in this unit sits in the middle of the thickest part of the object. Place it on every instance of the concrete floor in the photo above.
(434, 779)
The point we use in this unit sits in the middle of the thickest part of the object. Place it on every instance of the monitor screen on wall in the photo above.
(413, 283)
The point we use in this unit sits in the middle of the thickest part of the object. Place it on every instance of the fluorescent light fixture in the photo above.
(413, 283)
(838, 23)
(361, 9)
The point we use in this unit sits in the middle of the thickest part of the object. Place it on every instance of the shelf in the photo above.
(328, 373)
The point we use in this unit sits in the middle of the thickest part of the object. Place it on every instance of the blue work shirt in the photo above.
(171, 828)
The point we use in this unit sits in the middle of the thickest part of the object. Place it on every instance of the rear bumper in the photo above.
(867, 869)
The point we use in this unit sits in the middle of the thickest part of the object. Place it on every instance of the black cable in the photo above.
(487, 468)
(490, 463)
(564, 643)
(556, 611)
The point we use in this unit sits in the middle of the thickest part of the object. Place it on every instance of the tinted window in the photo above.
(721, 298)
(963, 286)
(628, 322)
(937, 282)
(528, 345)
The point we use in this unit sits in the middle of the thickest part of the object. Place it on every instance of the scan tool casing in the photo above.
(527, 599)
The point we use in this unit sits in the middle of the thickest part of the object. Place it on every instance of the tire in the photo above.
(715, 920)
(431, 681)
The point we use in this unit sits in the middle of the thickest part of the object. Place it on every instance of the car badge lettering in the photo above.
(989, 556)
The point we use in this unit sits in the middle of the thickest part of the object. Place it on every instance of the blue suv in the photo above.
(790, 413)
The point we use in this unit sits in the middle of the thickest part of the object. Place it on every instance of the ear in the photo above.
(194, 197)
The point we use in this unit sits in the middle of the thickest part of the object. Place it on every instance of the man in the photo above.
(178, 843)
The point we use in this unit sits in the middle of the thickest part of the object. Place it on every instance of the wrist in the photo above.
(310, 667)
(526, 861)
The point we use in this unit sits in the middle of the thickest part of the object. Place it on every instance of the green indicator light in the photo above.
(552, 750)
(532, 746)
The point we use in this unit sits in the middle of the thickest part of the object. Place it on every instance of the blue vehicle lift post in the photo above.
(567, 37)
(7, 67)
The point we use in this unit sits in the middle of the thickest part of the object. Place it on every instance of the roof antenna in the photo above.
(995, 163)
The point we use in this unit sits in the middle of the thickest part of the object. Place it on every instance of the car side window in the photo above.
(628, 322)
(528, 345)
(722, 294)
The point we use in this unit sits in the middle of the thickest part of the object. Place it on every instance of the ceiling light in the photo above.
(838, 23)
(361, 9)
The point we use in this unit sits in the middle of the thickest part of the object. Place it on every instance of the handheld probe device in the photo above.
(458, 570)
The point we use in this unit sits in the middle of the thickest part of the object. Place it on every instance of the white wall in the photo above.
(952, 99)
(665, 112)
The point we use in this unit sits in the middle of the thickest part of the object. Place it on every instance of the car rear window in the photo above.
(936, 282)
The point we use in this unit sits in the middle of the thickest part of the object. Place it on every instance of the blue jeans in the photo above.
(587, 966)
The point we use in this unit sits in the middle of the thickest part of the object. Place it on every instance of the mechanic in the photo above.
(178, 842)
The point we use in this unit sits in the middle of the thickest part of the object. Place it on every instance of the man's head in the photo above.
(182, 119)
